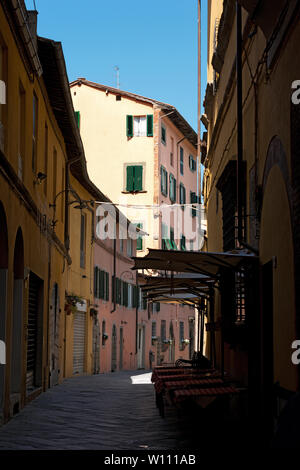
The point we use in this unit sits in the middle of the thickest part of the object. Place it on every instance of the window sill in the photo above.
(134, 192)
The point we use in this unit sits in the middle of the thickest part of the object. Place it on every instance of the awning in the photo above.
(181, 288)
(207, 263)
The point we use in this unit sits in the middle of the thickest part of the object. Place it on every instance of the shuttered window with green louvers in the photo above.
(163, 180)
(134, 178)
(139, 241)
(150, 125)
(77, 117)
(194, 200)
(172, 191)
(129, 126)
(106, 286)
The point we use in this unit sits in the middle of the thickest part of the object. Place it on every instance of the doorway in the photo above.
(3, 301)
(96, 346)
(141, 348)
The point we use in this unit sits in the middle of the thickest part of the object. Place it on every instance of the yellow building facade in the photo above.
(46, 242)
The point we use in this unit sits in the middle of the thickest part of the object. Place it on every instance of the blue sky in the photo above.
(154, 44)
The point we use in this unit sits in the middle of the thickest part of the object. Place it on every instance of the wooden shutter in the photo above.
(129, 125)
(129, 178)
(149, 125)
(139, 242)
(102, 284)
(138, 178)
(95, 281)
(77, 117)
(113, 288)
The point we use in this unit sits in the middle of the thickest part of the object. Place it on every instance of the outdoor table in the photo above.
(184, 394)
(156, 374)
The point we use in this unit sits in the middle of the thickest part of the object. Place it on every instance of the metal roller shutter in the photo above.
(79, 342)
(32, 329)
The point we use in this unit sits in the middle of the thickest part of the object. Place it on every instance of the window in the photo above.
(46, 158)
(163, 330)
(181, 331)
(182, 195)
(21, 139)
(129, 247)
(157, 306)
(163, 135)
(101, 284)
(153, 332)
(121, 245)
(82, 240)
(139, 241)
(134, 178)
(163, 181)
(182, 243)
(77, 117)
(193, 200)
(172, 152)
(192, 163)
(164, 236)
(34, 131)
(103, 332)
(181, 160)
(172, 192)
(139, 126)
(54, 176)
(181, 335)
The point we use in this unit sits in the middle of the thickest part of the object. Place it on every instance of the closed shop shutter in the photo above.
(32, 329)
(79, 342)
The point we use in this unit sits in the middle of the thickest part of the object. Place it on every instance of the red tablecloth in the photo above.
(176, 371)
(181, 395)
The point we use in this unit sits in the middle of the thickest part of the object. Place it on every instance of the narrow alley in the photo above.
(98, 412)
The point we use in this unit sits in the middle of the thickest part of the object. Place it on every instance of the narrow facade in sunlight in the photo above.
(143, 153)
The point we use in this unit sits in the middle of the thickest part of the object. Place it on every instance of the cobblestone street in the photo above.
(101, 412)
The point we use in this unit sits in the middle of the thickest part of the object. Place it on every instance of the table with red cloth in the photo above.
(180, 384)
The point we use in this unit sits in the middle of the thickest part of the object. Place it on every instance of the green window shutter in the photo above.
(125, 294)
(106, 286)
(95, 281)
(138, 178)
(113, 288)
(161, 179)
(129, 125)
(118, 290)
(77, 117)
(102, 284)
(144, 302)
(130, 178)
(139, 242)
(174, 189)
(182, 243)
(149, 125)
(157, 306)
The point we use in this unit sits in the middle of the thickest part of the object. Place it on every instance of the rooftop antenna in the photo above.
(116, 68)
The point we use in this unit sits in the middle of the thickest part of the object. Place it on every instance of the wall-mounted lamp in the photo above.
(39, 178)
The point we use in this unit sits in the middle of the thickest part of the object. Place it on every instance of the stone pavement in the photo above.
(103, 412)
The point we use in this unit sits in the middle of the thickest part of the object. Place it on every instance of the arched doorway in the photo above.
(17, 323)
(3, 300)
(54, 318)
(114, 349)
